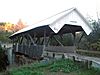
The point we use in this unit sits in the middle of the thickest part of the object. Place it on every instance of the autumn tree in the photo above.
(2, 26)
(19, 25)
(9, 27)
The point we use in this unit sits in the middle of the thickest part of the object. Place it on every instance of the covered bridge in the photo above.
(34, 39)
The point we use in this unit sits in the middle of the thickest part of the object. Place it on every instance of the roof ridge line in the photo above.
(55, 14)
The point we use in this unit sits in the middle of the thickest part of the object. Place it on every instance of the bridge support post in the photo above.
(87, 64)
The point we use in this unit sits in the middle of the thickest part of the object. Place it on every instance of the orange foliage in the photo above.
(8, 27)
(2, 28)
(12, 27)
(20, 25)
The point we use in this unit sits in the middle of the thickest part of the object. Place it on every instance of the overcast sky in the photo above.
(32, 11)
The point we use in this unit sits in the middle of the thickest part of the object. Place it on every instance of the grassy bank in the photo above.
(53, 67)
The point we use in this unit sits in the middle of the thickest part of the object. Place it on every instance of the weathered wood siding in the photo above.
(31, 51)
(36, 51)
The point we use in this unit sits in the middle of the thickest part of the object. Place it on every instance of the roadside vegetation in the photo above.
(3, 59)
(92, 41)
(4, 37)
(54, 67)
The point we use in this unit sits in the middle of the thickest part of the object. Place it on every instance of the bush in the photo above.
(3, 59)
(4, 37)
(64, 65)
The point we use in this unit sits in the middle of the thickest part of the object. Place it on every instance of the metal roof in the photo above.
(56, 22)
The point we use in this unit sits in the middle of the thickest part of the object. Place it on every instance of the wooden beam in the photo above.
(74, 34)
(31, 39)
(44, 37)
(58, 41)
(37, 40)
(81, 37)
(28, 40)
(44, 41)
(61, 36)
(20, 40)
(48, 40)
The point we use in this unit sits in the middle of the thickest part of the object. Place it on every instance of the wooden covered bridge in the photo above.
(33, 40)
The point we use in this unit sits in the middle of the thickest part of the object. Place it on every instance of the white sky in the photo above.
(32, 11)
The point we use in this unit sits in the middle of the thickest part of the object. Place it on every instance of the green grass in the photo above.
(33, 69)
(54, 67)
(92, 71)
(64, 66)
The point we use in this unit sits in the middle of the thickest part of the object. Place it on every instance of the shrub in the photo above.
(3, 59)
(64, 65)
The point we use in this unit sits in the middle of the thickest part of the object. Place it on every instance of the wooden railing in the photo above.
(89, 53)
(62, 49)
